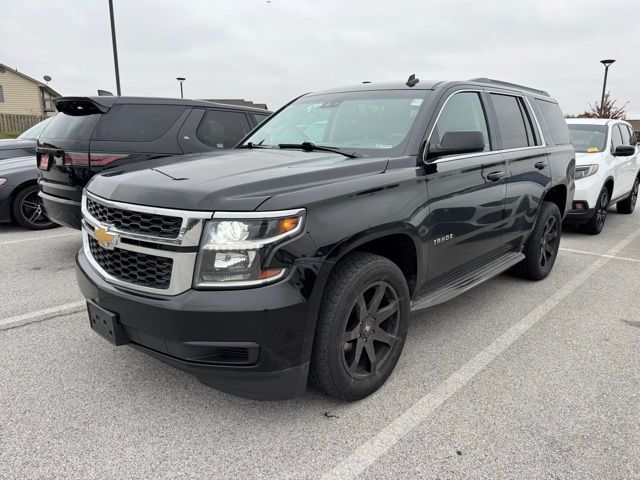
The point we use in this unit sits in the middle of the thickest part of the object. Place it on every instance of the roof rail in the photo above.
(508, 84)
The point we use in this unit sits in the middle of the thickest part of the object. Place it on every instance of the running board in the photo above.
(460, 285)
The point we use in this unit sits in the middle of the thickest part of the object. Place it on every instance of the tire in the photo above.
(348, 337)
(27, 210)
(541, 249)
(628, 205)
(596, 223)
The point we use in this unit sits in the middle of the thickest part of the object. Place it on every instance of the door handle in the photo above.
(542, 164)
(495, 176)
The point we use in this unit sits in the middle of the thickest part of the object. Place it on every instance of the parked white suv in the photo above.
(607, 170)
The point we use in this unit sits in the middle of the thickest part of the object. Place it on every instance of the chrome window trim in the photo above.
(490, 152)
(190, 231)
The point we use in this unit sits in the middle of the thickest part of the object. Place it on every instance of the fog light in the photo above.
(580, 206)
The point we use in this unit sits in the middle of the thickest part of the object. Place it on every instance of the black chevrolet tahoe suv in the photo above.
(91, 134)
(300, 255)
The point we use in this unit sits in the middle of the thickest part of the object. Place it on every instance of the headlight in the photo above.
(231, 252)
(3, 181)
(585, 170)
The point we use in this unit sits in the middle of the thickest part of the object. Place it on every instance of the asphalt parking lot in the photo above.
(511, 380)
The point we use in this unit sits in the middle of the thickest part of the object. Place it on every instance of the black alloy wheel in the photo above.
(362, 326)
(549, 241)
(601, 212)
(596, 223)
(371, 329)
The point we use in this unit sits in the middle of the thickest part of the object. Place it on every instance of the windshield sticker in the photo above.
(592, 149)
(416, 102)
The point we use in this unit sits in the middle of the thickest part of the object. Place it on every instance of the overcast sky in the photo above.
(273, 51)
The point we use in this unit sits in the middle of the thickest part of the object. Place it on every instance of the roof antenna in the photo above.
(413, 81)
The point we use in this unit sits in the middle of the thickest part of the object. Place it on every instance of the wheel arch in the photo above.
(399, 243)
(17, 189)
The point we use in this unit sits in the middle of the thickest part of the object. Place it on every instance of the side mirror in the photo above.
(624, 151)
(457, 143)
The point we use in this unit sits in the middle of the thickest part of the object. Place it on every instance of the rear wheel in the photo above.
(27, 210)
(596, 223)
(542, 247)
(629, 204)
(362, 326)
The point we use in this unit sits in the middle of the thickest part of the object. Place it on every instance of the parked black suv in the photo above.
(90, 134)
(301, 254)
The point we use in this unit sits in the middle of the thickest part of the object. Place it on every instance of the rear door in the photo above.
(527, 165)
(466, 192)
(214, 129)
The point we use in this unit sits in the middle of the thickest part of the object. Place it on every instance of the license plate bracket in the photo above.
(105, 323)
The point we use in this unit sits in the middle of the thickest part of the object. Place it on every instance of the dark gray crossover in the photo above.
(93, 134)
(298, 256)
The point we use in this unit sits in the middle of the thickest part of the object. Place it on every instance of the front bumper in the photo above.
(579, 216)
(275, 323)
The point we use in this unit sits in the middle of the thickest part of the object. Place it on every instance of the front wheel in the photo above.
(596, 223)
(542, 247)
(361, 328)
(629, 204)
(28, 211)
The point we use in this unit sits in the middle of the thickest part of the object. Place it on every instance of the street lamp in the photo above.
(607, 64)
(181, 79)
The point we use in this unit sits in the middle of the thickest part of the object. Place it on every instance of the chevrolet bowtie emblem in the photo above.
(105, 239)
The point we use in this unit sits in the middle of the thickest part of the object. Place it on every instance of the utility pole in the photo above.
(115, 48)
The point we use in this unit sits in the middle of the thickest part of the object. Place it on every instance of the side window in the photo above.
(462, 112)
(141, 123)
(259, 118)
(1, 94)
(616, 137)
(223, 128)
(632, 137)
(554, 119)
(511, 122)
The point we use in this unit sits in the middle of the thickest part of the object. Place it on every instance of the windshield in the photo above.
(35, 131)
(367, 122)
(588, 138)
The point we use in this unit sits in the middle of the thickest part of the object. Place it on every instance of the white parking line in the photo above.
(605, 255)
(40, 315)
(44, 237)
(367, 453)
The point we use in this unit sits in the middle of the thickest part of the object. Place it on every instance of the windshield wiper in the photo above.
(310, 147)
(255, 145)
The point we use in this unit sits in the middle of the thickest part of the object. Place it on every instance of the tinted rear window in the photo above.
(554, 119)
(139, 123)
(76, 127)
(511, 122)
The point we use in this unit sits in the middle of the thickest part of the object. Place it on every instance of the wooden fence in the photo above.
(12, 123)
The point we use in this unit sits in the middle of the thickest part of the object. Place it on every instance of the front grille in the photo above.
(136, 222)
(133, 267)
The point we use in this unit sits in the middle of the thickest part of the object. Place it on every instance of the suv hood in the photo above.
(583, 158)
(237, 180)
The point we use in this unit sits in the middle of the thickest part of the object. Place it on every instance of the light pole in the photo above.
(115, 47)
(607, 63)
(181, 79)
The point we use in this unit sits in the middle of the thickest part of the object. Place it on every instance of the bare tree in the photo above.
(607, 110)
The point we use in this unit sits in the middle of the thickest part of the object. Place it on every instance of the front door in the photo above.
(466, 192)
